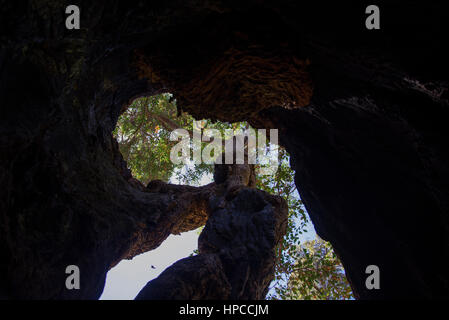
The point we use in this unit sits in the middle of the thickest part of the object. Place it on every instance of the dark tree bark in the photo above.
(362, 113)
(236, 248)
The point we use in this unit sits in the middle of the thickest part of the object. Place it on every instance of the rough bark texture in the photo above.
(236, 249)
(362, 113)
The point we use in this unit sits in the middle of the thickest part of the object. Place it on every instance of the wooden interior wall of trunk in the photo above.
(363, 114)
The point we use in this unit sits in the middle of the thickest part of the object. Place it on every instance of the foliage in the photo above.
(143, 142)
(143, 133)
(308, 270)
(315, 274)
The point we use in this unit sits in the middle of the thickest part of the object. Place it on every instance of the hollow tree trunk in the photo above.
(362, 113)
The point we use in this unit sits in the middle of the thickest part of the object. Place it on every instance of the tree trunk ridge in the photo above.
(363, 114)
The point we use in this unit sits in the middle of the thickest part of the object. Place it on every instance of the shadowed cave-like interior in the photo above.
(362, 113)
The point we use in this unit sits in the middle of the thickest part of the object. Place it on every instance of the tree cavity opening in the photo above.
(306, 268)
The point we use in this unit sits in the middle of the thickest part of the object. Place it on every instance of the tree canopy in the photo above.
(304, 270)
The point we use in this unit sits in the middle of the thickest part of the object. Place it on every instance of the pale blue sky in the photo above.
(126, 279)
